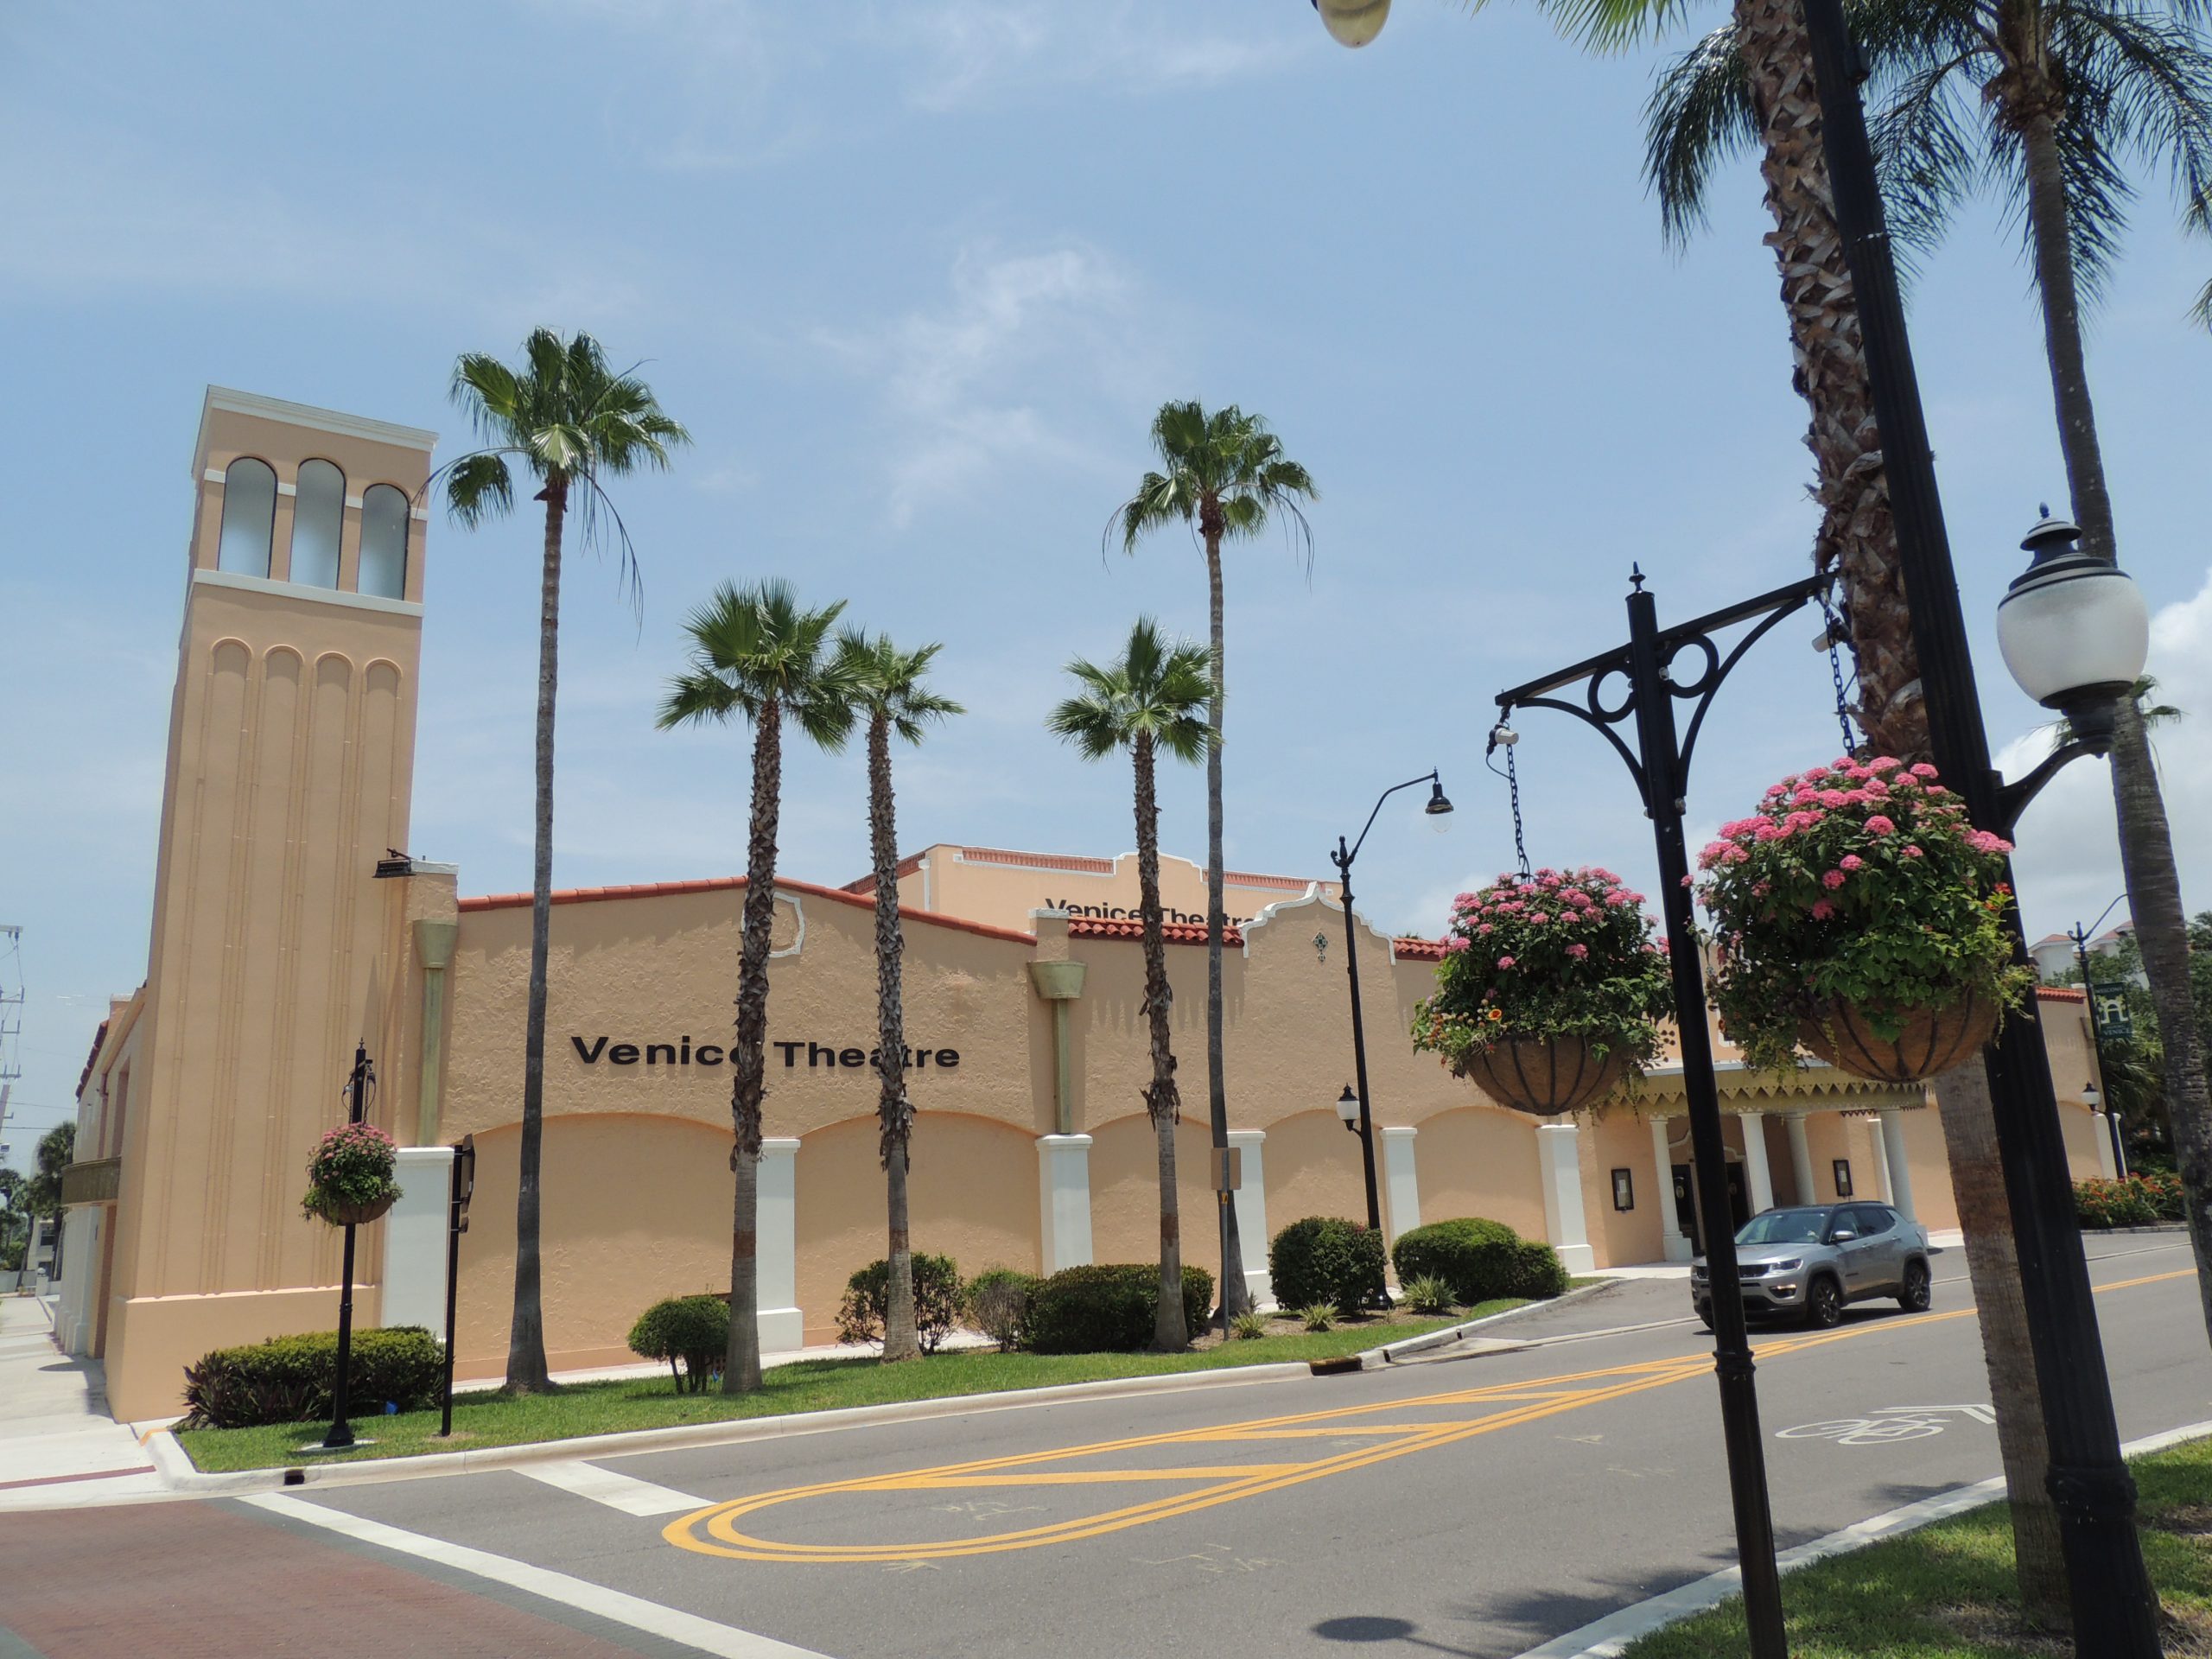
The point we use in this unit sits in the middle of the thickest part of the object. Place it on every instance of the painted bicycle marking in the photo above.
(1887, 1425)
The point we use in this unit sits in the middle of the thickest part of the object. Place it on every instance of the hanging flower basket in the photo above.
(1858, 914)
(1550, 993)
(350, 1179)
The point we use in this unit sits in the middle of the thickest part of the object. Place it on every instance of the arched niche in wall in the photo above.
(318, 513)
(383, 542)
(249, 517)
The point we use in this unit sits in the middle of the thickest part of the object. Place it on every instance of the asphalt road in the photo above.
(1472, 1506)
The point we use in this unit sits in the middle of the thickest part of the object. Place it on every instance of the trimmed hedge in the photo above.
(936, 1301)
(2138, 1201)
(1479, 1259)
(294, 1379)
(1109, 1307)
(997, 1301)
(1326, 1259)
(692, 1329)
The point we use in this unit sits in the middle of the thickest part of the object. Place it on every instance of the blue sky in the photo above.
(916, 275)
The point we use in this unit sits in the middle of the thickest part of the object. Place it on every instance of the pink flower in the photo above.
(1686, 880)
(1832, 880)
(1538, 916)
(1456, 943)
(1835, 797)
(1982, 842)
(1882, 763)
(1736, 855)
(1484, 930)
(1924, 770)
(1851, 862)
(1617, 897)
(1577, 951)
(1776, 791)
(1912, 852)
(1823, 909)
(1505, 961)
(1878, 825)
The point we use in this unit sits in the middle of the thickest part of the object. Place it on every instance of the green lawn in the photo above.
(481, 1419)
(1947, 1592)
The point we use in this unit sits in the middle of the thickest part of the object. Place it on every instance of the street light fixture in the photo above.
(1354, 1108)
(1353, 23)
(2073, 629)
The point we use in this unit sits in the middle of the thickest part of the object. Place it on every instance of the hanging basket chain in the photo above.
(1503, 736)
(1838, 636)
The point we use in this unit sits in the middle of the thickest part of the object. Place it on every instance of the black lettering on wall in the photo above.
(588, 1055)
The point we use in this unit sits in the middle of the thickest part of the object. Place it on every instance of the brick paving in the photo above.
(194, 1580)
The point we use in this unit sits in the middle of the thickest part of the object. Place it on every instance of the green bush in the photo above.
(2138, 1201)
(1537, 1271)
(1109, 1307)
(1325, 1259)
(997, 1302)
(690, 1332)
(1478, 1259)
(936, 1301)
(1427, 1292)
(293, 1379)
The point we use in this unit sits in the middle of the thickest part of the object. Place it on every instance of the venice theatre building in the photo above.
(287, 929)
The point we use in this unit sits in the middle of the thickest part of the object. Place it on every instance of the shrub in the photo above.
(1427, 1292)
(1478, 1259)
(936, 1301)
(1861, 882)
(352, 1165)
(2138, 1201)
(690, 1332)
(1324, 1259)
(294, 1379)
(1559, 954)
(1109, 1307)
(997, 1301)
(1249, 1325)
(1537, 1271)
(1320, 1316)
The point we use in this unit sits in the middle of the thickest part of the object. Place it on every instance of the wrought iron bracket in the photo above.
(2012, 799)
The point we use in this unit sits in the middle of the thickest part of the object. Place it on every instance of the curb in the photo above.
(1608, 1637)
(180, 1474)
(1390, 1353)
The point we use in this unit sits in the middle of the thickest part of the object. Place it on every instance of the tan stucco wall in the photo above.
(1479, 1160)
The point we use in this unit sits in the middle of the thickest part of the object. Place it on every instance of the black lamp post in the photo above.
(358, 1086)
(1360, 1119)
(2090, 1096)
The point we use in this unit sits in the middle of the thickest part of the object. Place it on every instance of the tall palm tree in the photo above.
(757, 655)
(886, 690)
(1224, 475)
(1149, 703)
(568, 420)
(2045, 102)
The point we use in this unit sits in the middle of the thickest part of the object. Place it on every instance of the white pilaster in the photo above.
(1881, 1163)
(1757, 1176)
(415, 1240)
(783, 1326)
(1800, 1158)
(1401, 1186)
(1672, 1243)
(1558, 1164)
(77, 1318)
(1063, 1200)
(1251, 1204)
(2106, 1165)
(1900, 1163)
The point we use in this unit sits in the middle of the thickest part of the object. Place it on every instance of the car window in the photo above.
(1783, 1227)
(1875, 1218)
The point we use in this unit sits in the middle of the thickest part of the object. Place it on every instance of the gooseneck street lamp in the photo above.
(359, 1084)
(2070, 635)
(1356, 1109)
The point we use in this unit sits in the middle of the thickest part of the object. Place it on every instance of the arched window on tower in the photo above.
(249, 517)
(317, 512)
(383, 542)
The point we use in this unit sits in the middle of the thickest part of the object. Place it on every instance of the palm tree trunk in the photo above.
(895, 1111)
(527, 1371)
(2146, 848)
(1171, 1332)
(748, 1084)
(1234, 1298)
(1858, 541)
(2147, 853)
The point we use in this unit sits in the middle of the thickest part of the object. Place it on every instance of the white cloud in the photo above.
(2069, 859)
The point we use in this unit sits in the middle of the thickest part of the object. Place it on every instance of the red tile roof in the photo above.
(1411, 949)
(1086, 927)
(722, 883)
(2062, 993)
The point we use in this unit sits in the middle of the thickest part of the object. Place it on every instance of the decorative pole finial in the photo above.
(1635, 576)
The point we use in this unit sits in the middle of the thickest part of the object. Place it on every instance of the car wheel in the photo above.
(1918, 1289)
(1824, 1304)
(1704, 1313)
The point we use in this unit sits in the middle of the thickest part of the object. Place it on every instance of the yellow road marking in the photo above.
(1521, 1402)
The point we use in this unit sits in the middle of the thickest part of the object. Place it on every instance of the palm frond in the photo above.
(1698, 115)
(479, 486)
(752, 644)
(1158, 686)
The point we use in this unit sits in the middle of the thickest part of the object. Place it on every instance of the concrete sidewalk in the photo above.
(55, 1427)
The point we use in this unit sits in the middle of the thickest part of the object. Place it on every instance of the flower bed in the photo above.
(2138, 1201)
(1859, 913)
(1550, 991)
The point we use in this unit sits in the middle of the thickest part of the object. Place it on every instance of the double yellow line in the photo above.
(713, 1530)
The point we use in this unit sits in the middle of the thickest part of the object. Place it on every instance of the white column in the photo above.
(1558, 1164)
(1672, 1243)
(415, 1240)
(1401, 1187)
(1900, 1163)
(1063, 1200)
(783, 1326)
(1800, 1158)
(2101, 1126)
(1756, 1175)
(1881, 1163)
(1251, 1203)
(77, 1319)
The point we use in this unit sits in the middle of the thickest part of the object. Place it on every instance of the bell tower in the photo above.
(291, 749)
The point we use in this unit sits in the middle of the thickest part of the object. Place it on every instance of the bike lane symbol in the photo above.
(1888, 1424)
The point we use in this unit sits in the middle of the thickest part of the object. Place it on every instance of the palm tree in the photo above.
(1225, 476)
(1149, 703)
(887, 691)
(2045, 100)
(567, 420)
(757, 655)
